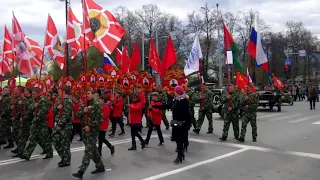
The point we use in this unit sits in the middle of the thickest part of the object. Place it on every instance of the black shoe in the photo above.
(112, 150)
(209, 132)
(48, 156)
(241, 139)
(17, 156)
(223, 138)
(167, 127)
(78, 175)
(98, 170)
(44, 152)
(196, 131)
(183, 157)
(160, 144)
(111, 135)
(24, 157)
(178, 160)
(310, 108)
(61, 162)
(143, 145)
(254, 140)
(63, 165)
(10, 145)
(186, 149)
(132, 148)
(15, 151)
(3, 142)
(122, 133)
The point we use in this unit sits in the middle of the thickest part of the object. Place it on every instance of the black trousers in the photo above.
(102, 139)
(76, 128)
(312, 102)
(158, 128)
(115, 121)
(135, 128)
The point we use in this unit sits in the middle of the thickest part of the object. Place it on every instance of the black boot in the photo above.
(98, 170)
(178, 160)
(15, 151)
(196, 131)
(133, 147)
(78, 175)
(122, 133)
(112, 150)
(241, 139)
(223, 138)
(10, 144)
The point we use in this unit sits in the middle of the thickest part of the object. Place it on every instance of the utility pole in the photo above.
(219, 59)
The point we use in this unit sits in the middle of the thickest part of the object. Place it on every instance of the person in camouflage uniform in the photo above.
(62, 129)
(206, 99)
(192, 103)
(232, 115)
(91, 128)
(249, 106)
(16, 123)
(28, 109)
(39, 132)
(5, 121)
(163, 99)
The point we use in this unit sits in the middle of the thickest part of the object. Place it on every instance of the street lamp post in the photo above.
(219, 59)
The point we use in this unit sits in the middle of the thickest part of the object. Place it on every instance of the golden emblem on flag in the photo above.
(98, 23)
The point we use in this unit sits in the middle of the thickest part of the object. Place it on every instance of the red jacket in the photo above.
(50, 118)
(106, 114)
(117, 107)
(76, 107)
(156, 114)
(142, 99)
(135, 113)
(109, 95)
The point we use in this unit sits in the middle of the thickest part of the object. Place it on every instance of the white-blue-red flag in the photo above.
(255, 48)
(108, 63)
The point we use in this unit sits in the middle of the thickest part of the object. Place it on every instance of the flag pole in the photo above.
(228, 82)
(12, 71)
(85, 59)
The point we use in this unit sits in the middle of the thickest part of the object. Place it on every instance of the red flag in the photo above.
(125, 60)
(277, 83)
(7, 52)
(169, 58)
(75, 35)
(242, 82)
(27, 51)
(106, 30)
(154, 60)
(135, 58)
(53, 43)
(118, 56)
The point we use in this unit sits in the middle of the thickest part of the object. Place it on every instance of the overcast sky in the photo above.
(32, 14)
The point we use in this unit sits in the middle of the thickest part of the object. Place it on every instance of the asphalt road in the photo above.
(288, 148)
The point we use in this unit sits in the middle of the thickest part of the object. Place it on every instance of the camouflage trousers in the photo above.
(231, 117)
(252, 118)
(39, 134)
(202, 114)
(193, 119)
(164, 119)
(16, 125)
(24, 134)
(5, 126)
(61, 142)
(90, 151)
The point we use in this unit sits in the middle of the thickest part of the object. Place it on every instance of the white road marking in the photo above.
(270, 115)
(302, 119)
(318, 122)
(176, 171)
(285, 117)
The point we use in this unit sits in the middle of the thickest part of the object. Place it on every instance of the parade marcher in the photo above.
(232, 115)
(206, 98)
(163, 99)
(192, 103)
(39, 130)
(135, 120)
(313, 93)
(76, 126)
(90, 134)
(28, 109)
(50, 115)
(143, 101)
(181, 121)
(63, 126)
(16, 123)
(6, 122)
(116, 116)
(106, 110)
(156, 116)
(249, 107)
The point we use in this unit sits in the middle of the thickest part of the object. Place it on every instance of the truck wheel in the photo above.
(271, 107)
(291, 103)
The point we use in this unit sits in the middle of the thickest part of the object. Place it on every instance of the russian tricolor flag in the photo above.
(255, 48)
(108, 63)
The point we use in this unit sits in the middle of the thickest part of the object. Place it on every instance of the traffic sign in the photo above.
(287, 62)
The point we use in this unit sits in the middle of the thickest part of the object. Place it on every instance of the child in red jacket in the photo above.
(106, 109)
(156, 118)
(116, 116)
(135, 121)
(76, 126)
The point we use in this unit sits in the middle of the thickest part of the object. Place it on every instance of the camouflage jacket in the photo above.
(16, 108)
(42, 110)
(192, 98)
(6, 106)
(66, 118)
(27, 109)
(235, 101)
(163, 97)
(94, 115)
(207, 99)
(252, 102)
